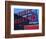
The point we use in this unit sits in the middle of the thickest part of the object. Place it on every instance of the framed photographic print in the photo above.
(24, 19)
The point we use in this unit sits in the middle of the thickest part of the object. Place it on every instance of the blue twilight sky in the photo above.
(17, 10)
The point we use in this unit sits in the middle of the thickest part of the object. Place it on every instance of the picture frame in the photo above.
(10, 5)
